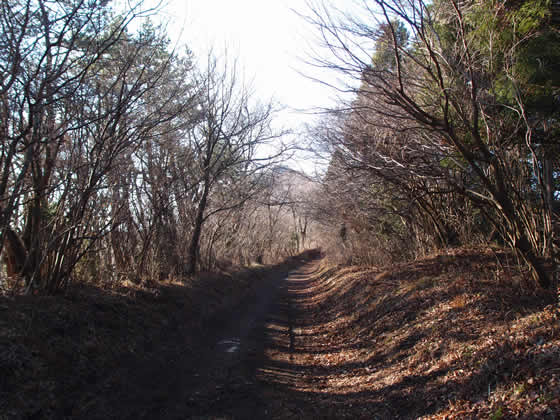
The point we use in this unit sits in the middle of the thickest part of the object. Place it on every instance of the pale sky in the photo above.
(270, 43)
(268, 38)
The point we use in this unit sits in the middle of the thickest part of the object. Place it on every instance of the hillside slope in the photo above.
(452, 336)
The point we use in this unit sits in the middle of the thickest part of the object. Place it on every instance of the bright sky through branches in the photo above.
(270, 42)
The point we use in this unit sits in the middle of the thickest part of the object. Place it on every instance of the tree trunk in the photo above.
(15, 253)
(195, 238)
(523, 247)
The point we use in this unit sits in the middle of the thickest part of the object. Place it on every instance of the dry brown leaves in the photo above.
(449, 336)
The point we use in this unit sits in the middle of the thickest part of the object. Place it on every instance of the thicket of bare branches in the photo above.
(448, 138)
(276, 223)
(119, 157)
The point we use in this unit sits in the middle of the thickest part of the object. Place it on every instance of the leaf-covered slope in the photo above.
(445, 336)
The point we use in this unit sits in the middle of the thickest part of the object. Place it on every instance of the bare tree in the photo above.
(234, 129)
(77, 109)
(430, 115)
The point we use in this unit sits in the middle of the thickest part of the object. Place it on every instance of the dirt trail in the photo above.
(430, 339)
(225, 379)
(330, 343)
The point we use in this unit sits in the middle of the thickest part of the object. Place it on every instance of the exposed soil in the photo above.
(453, 336)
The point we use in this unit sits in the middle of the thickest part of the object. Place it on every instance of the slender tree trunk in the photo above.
(548, 177)
(195, 238)
(538, 271)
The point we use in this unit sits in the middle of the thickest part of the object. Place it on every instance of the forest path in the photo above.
(300, 340)
(226, 380)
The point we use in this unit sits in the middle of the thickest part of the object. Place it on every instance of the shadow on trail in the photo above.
(327, 344)
(137, 353)
(293, 374)
(219, 381)
(293, 342)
